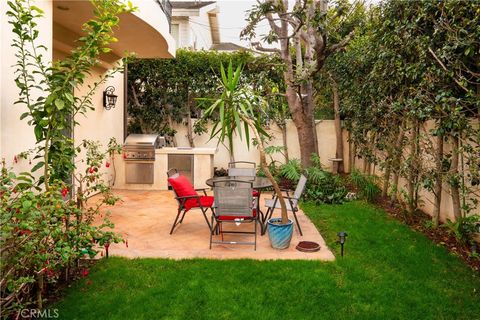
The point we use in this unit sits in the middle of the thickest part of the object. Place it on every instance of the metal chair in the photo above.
(234, 203)
(245, 170)
(242, 169)
(188, 198)
(291, 202)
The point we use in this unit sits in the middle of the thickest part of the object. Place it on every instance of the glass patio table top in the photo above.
(259, 183)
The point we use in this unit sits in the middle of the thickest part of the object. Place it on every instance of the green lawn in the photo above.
(389, 272)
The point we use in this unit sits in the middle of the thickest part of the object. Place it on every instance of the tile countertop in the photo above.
(185, 150)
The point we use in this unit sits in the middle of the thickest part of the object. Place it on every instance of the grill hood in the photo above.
(147, 140)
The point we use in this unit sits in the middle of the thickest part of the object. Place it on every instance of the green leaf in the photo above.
(59, 104)
(38, 166)
(38, 132)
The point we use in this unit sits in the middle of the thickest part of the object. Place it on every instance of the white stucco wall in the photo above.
(15, 135)
(194, 30)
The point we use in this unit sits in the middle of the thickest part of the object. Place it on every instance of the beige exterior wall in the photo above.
(426, 198)
(325, 132)
(326, 146)
(15, 135)
(99, 124)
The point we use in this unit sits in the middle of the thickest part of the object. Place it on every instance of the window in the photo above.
(175, 32)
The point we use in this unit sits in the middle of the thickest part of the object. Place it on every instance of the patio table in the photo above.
(259, 184)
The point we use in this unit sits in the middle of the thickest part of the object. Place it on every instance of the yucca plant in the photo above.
(239, 110)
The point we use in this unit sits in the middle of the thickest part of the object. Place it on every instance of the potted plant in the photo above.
(238, 115)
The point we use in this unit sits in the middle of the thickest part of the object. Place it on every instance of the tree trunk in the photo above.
(338, 126)
(454, 186)
(354, 156)
(284, 139)
(303, 122)
(412, 169)
(438, 180)
(396, 162)
(386, 176)
(170, 124)
(190, 131)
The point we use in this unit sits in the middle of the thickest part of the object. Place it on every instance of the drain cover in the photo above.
(308, 246)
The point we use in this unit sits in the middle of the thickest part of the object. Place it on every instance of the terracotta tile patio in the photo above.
(145, 219)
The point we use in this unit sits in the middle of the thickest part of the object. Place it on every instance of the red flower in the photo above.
(107, 164)
(25, 231)
(126, 243)
(124, 155)
(84, 272)
(91, 170)
(29, 161)
(15, 159)
(64, 192)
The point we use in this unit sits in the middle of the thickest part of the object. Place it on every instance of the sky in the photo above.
(232, 20)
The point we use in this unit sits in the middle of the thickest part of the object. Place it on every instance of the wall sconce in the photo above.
(109, 99)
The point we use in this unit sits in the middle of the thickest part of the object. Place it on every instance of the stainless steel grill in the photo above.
(139, 155)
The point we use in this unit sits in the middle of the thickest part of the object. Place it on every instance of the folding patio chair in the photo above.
(188, 198)
(234, 203)
(291, 202)
(244, 170)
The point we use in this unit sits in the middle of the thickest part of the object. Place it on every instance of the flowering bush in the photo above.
(45, 233)
(46, 226)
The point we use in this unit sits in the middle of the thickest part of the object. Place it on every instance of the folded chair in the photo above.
(234, 203)
(188, 198)
(291, 202)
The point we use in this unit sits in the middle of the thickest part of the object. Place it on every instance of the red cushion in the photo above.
(255, 193)
(182, 186)
(238, 217)
(205, 201)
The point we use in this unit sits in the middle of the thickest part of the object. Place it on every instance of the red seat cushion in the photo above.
(238, 217)
(255, 193)
(182, 186)
(205, 201)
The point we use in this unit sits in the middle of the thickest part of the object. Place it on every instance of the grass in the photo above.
(389, 272)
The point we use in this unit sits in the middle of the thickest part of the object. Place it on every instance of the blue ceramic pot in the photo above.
(280, 235)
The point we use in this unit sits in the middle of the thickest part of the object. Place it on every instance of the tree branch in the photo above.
(340, 45)
(259, 47)
(445, 68)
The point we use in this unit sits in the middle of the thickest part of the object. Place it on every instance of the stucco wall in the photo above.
(427, 198)
(326, 146)
(326, 143)
(100, 124)
(15, 135)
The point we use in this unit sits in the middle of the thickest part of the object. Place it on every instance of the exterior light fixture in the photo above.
(109, 99)
(342, 237)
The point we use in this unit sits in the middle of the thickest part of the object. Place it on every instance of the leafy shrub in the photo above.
(464, 228)
(366, 184)
(322, 186)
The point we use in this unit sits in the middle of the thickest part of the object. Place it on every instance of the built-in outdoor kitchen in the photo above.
(145, 160)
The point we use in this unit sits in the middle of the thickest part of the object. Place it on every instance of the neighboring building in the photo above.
(195, 24)
(145, 32)
(228, 46)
